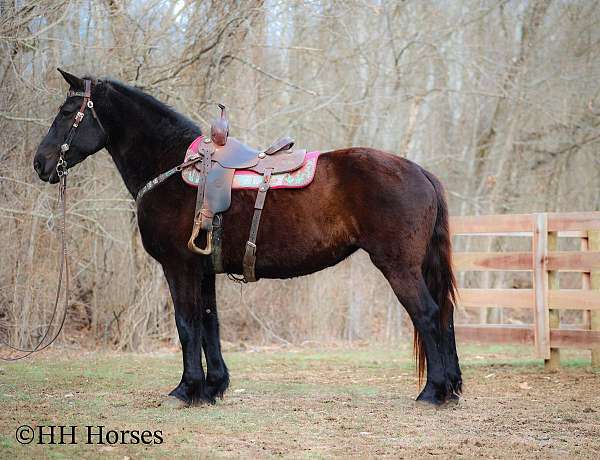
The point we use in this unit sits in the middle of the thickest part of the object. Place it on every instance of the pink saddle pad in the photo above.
(299, 178)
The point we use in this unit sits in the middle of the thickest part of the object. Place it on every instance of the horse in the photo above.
(360, 198)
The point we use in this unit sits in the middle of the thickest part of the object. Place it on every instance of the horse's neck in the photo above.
(143, 146)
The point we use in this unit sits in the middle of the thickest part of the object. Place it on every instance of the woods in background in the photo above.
(500, 99)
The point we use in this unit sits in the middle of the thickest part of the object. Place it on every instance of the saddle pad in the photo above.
(244, 179)
(295, 179)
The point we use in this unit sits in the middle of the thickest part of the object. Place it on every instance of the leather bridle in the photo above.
(85, 104)
(61, 171)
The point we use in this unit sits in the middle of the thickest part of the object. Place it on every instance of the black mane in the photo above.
(151, 103)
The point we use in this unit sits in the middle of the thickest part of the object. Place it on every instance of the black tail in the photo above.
(437, 269)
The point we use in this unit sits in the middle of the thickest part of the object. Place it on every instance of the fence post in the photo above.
(553, 314)
(585, 283)
(540, 286)
(594, 245)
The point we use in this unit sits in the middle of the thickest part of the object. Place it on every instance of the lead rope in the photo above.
(61, 169)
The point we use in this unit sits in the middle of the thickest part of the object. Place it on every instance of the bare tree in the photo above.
(500, 99)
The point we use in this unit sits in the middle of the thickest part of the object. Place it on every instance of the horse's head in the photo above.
(76, 130)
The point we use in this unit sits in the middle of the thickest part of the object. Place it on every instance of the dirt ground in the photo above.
(307, 403)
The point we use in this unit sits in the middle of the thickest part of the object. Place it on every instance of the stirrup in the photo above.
(192, 246)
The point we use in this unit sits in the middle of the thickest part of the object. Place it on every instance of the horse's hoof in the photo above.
(171, 402)
(428, 404)
(428, 398)
(453, 400)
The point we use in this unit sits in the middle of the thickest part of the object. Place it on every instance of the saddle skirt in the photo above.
(248, 179)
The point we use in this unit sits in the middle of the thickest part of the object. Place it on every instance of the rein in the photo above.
(64, 269)
(163, 177)
(61, 171)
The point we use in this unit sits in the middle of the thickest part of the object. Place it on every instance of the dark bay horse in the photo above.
(360, 198)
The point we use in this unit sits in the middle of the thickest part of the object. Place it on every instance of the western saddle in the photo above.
(219, 157)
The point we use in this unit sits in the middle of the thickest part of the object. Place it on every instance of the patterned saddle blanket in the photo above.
(247, 179)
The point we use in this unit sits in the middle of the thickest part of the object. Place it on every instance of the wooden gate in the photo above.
(545, 298)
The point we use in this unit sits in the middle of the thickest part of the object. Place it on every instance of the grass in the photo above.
(308, 403)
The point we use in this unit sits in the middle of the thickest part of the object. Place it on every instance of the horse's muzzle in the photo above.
(44, 164)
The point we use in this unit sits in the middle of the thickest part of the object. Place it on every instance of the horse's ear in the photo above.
(72, 80)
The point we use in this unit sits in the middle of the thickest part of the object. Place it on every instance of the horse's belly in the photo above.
(301, 232)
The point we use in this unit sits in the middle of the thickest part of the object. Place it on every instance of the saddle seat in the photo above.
(279, 157)
(235, 154)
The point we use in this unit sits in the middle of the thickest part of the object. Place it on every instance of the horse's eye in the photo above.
(66, 112)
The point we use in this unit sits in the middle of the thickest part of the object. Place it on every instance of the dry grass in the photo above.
(309, 403)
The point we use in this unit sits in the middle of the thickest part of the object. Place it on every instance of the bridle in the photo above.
(85, 104)
(61, 171)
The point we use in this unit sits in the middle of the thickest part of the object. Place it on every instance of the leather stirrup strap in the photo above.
(206, 160)
(250, 254)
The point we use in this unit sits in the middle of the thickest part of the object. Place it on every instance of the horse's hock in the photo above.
(546, 299)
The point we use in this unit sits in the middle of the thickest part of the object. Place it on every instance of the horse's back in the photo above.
(357, 195)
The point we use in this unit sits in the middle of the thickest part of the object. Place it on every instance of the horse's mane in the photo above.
(151, 103)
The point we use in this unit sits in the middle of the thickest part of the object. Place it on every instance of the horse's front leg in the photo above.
(185, 284)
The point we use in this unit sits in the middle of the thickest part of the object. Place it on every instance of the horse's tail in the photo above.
(437, 270)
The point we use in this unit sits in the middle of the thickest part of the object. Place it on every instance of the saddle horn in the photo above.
(219, 129)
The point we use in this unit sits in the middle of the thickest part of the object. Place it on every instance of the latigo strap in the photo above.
(250, 254)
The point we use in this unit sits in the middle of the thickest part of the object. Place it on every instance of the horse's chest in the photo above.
(164, 230)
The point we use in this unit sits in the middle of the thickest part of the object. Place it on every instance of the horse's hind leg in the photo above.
(452, 365)
(410, 288)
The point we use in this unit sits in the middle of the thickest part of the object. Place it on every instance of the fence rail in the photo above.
(546, 299)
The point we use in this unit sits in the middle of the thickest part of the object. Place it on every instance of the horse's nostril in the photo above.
(37, 165)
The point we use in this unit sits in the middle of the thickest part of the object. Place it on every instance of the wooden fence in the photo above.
(546, 298)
